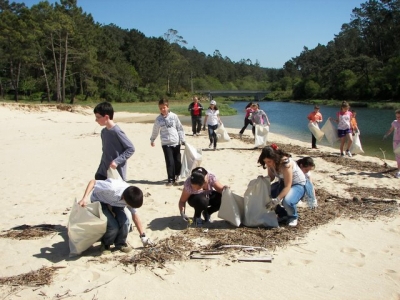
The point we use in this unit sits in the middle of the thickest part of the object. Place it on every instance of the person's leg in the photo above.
(313, 141)
(210, 134)
(198, 120)
(112, 226)
(214, 135)
(98, 176)
(123, 223)
(253, 129)
(199, 202)
(169, 162)
(342, 140)
(194, 125)
(214, 202)
(291, 199)
(246, 123)
(176, 152)
(349, 140)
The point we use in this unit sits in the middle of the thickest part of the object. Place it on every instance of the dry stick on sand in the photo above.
(384, 157)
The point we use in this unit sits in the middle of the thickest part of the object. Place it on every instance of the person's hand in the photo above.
(313, 205)
(271, 204)
(385, 136)
(82, 202)
(113, 165)
(225, 187)
(184, 217)
(146, 241)
(152, 144)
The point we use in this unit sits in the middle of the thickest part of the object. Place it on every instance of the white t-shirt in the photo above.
(212, 116)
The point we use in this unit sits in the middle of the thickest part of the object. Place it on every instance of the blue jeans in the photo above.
(309, 188)
(117, 227)
(291, 199)
(212, 135)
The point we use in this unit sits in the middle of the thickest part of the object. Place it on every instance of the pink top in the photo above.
(187, 186)
(344, 120)
(248, 112)
(396, 133)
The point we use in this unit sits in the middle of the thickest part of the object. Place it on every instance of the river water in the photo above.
(290, 120)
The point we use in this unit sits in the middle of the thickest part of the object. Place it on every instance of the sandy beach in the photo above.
(49, 155)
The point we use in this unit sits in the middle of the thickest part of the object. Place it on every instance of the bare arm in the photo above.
(88, 190)
(287, 179)
(389, 131)
(219, 187)
(138, 223)
(182, 201)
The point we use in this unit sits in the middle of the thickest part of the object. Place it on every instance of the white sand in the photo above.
(48, 157)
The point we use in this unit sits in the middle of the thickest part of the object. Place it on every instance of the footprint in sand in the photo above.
(336, 233)
(392, 274)
(352, 251)
(299, 262)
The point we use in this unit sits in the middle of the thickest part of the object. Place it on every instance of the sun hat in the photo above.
(213, 102)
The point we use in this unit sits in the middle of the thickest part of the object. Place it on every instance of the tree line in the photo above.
(58, 52)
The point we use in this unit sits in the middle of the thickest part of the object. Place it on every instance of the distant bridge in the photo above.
(258, 95)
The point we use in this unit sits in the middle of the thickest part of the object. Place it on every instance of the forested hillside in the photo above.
(58, 52)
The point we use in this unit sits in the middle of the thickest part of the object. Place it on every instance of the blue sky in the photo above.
(270, 31)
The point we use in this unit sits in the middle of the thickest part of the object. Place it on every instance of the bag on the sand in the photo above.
(330, 132)
(191, 159)
(85, 227)
(222, 134)
(232, 207)
(317, 133)
(356, 147)
(261, 135)
(255, 198)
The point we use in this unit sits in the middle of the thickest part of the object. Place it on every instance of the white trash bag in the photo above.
(330, 132)
(86, 226)
(191, 159)
(261, 135)
(356, 147)
(232, 207)
(257, 195)
(222, 134)
(317, 133)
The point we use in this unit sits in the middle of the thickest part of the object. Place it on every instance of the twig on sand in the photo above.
(384, 157)
(97, 286)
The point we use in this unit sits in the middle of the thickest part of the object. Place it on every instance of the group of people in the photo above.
(202, 191)
(254, 116)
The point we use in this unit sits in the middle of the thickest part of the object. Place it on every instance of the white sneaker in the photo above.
(398, 174)
(348, 153)
(293, 223)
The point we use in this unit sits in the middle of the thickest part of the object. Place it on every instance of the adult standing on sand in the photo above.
(247, 118)
(195, 109)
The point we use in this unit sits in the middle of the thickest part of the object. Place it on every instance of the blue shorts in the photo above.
(341, 133)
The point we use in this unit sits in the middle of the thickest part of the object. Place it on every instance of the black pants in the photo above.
(313, 141)
(200, 202)
(172, 155)
(246, 123)
(196, 124)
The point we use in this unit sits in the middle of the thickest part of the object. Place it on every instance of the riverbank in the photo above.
(50, 155)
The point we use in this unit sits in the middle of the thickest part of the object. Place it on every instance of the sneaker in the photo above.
(398, 174)
(215, 148)
(293, 223)
(209, 146)
(169, 184)
(176, 183)
(348, 153)
(198, 222)
(124, 248)
(206, 216)
(105, 249)
(341, 154)
(240, 135)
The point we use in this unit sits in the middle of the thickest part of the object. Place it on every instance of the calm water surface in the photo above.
(290, 120)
